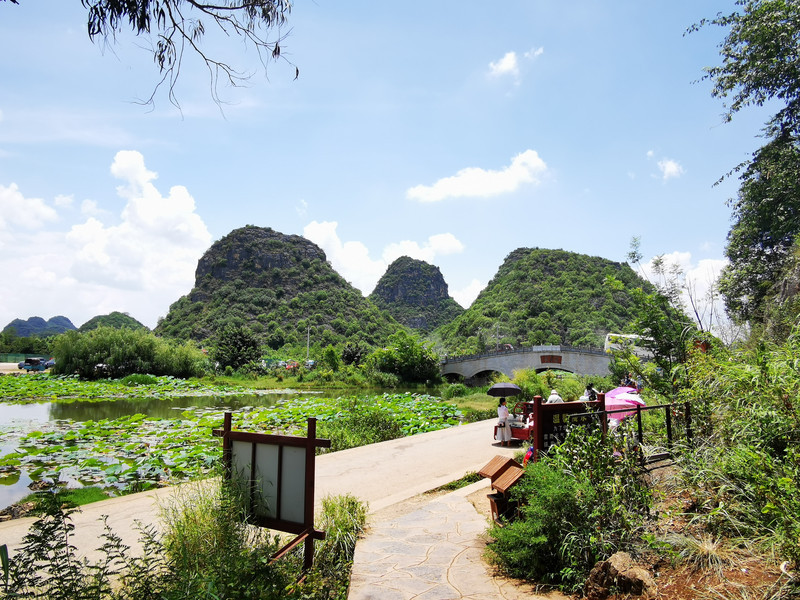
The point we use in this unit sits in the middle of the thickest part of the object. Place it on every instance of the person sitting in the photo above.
(591, 393)
(554, 398)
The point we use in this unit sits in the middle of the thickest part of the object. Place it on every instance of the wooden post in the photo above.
(688, 424)
(227, 444)
(601, 398)
(639, 433)
(308, 556)
(668, 411)
(538, 430)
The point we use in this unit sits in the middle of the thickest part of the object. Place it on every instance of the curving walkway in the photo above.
(416, 547)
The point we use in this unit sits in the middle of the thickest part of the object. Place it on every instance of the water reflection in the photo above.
(155, 408)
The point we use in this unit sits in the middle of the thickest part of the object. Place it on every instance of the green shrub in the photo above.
(553, 507)
(455, 390)
(343, 519)
(139, 379)
(358, 425)
(577, 506)
(116, 353)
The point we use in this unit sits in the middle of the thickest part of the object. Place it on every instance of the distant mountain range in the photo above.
(284, 289)
(38, 327)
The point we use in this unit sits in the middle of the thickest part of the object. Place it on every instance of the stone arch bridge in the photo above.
(581, 361)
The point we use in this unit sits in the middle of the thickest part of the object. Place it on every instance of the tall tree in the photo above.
(176, 26)
(766, 222)
(760, 60)
(761, 64)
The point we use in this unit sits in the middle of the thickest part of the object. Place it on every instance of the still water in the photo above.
(19, 419)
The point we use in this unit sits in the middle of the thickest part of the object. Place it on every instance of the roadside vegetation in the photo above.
(207, 551)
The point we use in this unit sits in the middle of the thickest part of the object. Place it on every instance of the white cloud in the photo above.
(650, 154)
(507, 65)
(140, 265)
(699, 277)
(90, 208)
(17, 211)
(669, 169)
(302, 208)
(466, 295)
(534, 53)
(476, 182)
(63, 201)
(352, 261)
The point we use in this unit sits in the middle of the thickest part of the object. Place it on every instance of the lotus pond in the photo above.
(127, 438)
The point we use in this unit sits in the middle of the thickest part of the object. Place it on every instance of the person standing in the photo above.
(503, 429)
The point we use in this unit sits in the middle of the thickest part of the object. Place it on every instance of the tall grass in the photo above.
(208, 551)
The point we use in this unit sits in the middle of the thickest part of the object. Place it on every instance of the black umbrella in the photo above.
(504, 389)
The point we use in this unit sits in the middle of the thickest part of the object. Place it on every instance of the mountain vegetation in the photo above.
(38, 327)
(415, 294)
(115, 320)
(282, 288)
(541, 296)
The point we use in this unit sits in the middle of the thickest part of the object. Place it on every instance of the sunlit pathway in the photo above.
(432, 553)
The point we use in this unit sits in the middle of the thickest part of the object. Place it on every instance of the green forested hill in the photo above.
(116, 319)
(282, 287)
(543, 296)
(415, 294)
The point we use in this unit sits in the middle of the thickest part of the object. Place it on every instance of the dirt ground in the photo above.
(726, 572)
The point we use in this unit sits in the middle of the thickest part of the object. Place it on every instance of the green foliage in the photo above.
(554, 507)
(760, 62)
(408, 358)
(211, 550)
(330, 356)
(358, 424)
(354, 353)
(115, 353)
(544, 297)
(208, 551)
(115, 320)
(577, 506)
(343, 519)
(746, 469)
(766, 222)
(455, 390)
(759, 65)
(235, 346)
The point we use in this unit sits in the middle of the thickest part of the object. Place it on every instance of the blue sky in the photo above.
(454, 132)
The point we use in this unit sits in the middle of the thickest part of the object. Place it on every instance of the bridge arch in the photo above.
(581, 361)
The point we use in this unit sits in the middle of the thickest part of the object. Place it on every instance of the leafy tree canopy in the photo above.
(760, 59)
(766, 222)
(761, 65)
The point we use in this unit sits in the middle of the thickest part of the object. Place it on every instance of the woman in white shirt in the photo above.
(503, 434)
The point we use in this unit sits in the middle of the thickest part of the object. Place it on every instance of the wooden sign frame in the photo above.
(277, 473)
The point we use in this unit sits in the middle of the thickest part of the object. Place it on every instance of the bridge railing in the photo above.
(523, 350)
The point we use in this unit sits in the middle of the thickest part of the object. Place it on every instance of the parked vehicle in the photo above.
(33, 364)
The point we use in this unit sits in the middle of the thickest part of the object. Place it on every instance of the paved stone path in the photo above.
(432, 553)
